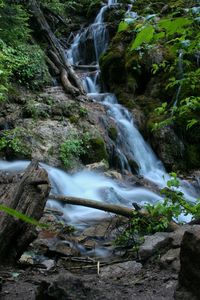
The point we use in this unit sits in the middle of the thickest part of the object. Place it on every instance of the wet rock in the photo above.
(98, 166)
(169, 148)
(153, 243)
(114, 174)
(171, 259)
(120, 270)
(189, 276)
(65, 248)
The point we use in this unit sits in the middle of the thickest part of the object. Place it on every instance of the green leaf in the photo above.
(176, 25)
(123, 26)
(144, 36)
(19, 215)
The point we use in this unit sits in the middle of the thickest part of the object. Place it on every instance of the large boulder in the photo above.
(189, 276)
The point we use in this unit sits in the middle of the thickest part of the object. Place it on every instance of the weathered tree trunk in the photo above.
(27, 195)
(75, 82)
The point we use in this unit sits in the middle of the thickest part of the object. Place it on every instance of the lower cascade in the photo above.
(130, 144)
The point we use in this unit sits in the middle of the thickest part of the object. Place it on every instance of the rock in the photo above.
(177, 235)
(26, 259)
(49, 264)
(98, 166)
(98, 231)
(169, 148)
(171, 259)
(65, 248)
(114, 174)
(64, 287)
(153, 243)
(189, 275)
(119, 270)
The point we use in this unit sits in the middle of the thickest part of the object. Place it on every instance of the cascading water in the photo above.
(130, 143)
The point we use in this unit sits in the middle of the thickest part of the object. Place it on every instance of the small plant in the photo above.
(158, 217)
(73, 148)
(11, 139)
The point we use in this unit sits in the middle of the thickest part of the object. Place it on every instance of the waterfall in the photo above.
(180, 76)
(129, 145)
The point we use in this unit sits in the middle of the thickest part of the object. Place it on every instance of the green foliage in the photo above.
(81, 7)
(29, 66)
(145, 35)
(19, 60)
(14, 24)
(11, 140)
(73, 147)
(22, 217)
(171, 26)
(123, 25)
(158, 217)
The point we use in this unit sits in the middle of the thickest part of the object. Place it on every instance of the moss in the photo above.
(112, 132)
(74, 119)
(96, 151)
(112, 67)
(193, 154)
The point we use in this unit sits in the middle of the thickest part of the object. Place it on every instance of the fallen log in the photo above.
(27, 195)
(112, 208)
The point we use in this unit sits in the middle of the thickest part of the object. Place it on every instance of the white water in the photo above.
(130, 143)
(89, 185)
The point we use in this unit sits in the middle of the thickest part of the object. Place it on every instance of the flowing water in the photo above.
(130, 144)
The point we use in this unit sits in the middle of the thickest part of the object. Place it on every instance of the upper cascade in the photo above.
(130, 144)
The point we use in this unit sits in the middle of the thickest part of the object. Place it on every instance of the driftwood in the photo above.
(112, 208)
(27, 195)
(59, 53)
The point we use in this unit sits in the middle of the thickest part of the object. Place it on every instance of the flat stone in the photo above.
(90, 244)
(97, 231)
(65, 248)
(153, 243)
(119, 270)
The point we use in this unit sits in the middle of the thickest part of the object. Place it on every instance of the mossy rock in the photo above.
(96, 151)
(112, 133)
(112, 67)
(193, 154)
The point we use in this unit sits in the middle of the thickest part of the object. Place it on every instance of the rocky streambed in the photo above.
(86, 264)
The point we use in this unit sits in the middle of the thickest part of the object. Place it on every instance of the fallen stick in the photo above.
(112, 208)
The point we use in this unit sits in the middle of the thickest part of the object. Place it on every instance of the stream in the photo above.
(130, 143)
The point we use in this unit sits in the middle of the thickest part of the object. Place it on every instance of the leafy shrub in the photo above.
(14, 24)
(73, 148)
(30, 67)
(11, 140)
(158, 217)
